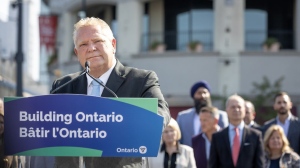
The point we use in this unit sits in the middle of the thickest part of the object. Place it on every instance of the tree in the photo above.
(264, 94)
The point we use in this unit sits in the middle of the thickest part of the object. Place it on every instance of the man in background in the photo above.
(290, 123)
(188, 120)
(209, 118)
(237, 145)
(250, 115)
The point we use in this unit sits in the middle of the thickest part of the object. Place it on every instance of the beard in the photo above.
(200, 103)
(282, 111)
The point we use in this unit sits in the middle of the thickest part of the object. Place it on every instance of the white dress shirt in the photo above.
(103, 78)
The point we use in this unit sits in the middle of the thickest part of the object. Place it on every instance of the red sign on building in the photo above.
(48, 27)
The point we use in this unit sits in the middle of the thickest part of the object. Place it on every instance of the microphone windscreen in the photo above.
(87, 64)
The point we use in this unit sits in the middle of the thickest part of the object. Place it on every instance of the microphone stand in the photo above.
(110, 91)
(87, 70)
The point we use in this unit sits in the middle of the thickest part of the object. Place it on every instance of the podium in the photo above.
(82, 125)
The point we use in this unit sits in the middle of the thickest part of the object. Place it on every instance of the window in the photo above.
(256, 30)
(196, 25)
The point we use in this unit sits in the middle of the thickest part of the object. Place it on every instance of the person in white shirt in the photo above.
(285, 118)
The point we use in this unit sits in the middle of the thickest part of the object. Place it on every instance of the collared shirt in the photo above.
(103, 78)
(208, 143)
(251, 124)
(197, 126)
(286, 124)
(232, 132)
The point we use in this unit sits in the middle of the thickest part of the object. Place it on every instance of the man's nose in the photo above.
(91, 47)
(202, 95)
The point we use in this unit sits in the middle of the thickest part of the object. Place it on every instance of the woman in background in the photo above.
(172, 154)
(278, 152)
(5, 161)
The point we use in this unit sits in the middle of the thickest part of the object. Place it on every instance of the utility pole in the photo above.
(83, 7)
(19, 56)
(82, 15)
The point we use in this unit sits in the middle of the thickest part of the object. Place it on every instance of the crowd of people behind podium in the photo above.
(231, 138)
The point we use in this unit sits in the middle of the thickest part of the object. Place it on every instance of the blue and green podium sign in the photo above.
(81, 125)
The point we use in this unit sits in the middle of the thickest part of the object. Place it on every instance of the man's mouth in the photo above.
(92, 57)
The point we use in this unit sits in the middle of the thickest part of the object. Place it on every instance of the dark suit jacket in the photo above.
(198, 144)
(293, 133)
(125, 82)
(255, 125)
(251, 151)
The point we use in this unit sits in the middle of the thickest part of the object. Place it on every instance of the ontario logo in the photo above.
(143, 149)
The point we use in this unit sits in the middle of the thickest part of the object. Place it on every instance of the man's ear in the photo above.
(114, 44)
(75, 51)
(291, 104)
(216, 121)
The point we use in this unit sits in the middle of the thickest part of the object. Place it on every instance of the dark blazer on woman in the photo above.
(125, 82)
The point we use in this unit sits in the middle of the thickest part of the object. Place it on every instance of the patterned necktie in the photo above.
(236, 146)
(96, 89)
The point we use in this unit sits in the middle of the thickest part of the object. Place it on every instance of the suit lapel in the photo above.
(115, 80)
(245, 133)
(190, 125)
(203, 148)
(244, 136)
(291, 128)
(80, 86)
(227, 141)
(274, 122)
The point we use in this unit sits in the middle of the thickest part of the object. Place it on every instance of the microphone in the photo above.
(87, 70)
(87, 66)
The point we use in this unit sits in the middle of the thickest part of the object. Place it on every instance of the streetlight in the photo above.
(82, 13)
(19, 56)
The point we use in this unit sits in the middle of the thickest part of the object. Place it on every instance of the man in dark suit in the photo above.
(209, 117)
(289, 123)
(95, 43)
(237, 145)
(250, 115)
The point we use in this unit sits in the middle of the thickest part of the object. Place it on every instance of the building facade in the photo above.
(231, 33)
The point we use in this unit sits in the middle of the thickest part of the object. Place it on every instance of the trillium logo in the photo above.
(143, 149)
